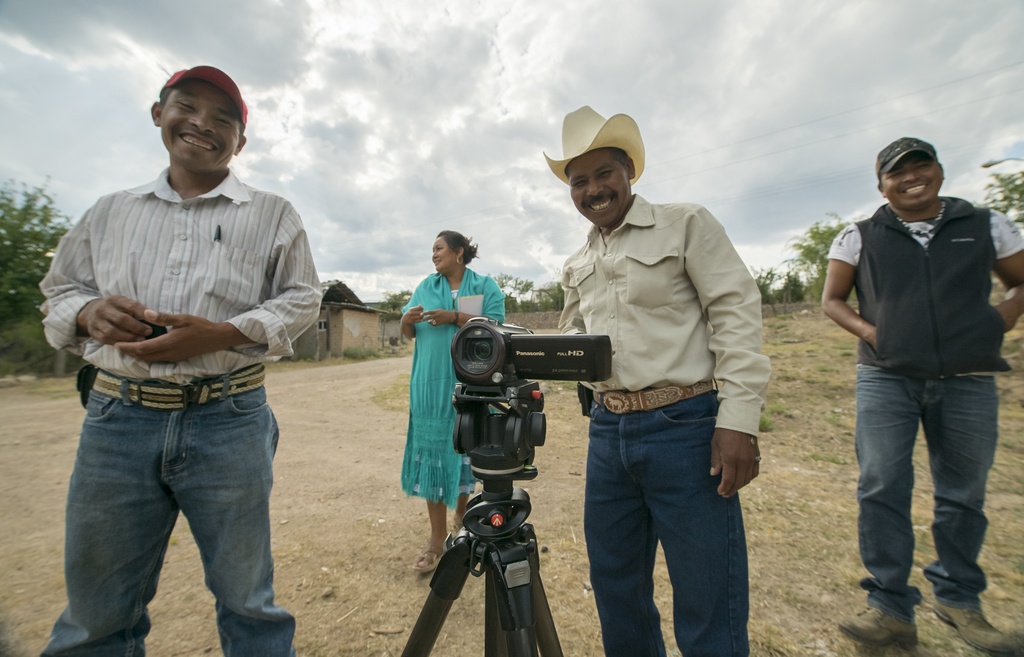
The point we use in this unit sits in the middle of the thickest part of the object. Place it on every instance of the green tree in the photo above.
(810, 263)
(793, 289)
(1006, 194)
(30, 228)
(516, 291)
(777, 288)
(766, 280)
(551, 296)
(393, 303)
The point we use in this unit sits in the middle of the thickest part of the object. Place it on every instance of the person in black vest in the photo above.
(929, 345)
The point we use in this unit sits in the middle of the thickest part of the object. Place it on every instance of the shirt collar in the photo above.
(639, 214)
(231, 187)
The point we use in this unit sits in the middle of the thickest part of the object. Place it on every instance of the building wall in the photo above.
(312, 344)
(351, 329)
(391, 329)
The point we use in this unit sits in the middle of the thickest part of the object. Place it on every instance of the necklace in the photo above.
(925, 227)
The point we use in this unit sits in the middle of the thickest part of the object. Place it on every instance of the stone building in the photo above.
(344, 323)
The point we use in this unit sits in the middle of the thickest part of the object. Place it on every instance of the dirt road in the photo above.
(344, 533)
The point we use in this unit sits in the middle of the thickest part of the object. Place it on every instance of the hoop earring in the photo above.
(458, 260)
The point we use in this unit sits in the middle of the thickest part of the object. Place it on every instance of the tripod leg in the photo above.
(508, 572)
(492, 627)
(445, 587)
(547, 636)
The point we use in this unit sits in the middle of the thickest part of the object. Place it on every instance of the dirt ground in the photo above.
(345, 534)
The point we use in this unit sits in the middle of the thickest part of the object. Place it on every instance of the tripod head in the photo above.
(499, 427)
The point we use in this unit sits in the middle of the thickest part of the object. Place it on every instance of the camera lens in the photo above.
(479, 350)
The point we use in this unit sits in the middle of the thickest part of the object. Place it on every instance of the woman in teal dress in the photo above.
(442, 303)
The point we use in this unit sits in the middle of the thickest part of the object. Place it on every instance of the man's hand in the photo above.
(869, 334)
(735, 455)
(1010, 311)
(112, 320)
(188, 336)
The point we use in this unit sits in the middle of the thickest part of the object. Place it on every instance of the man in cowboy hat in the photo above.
(929, 342)
(673, 432)
(177, 291)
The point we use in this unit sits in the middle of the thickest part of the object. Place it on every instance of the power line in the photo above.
(787, 186)
(844, 112)
(830, 137)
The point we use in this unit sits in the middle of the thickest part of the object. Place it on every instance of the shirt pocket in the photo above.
(236, 279)
(581, 278)
(649, 278)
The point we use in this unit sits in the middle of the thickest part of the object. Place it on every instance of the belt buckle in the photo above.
(616, 402)
(190, 394)
(204, 393)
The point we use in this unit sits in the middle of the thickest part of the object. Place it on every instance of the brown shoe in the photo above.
(873, 627)
(976, 630)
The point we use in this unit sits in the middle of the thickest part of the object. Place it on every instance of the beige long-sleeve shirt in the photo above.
(678, 303)
(234, 254)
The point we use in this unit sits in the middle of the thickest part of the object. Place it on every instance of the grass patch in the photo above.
(829, 458)
(360, 353)
(394, 397)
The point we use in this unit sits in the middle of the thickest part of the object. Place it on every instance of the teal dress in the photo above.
(432, 469)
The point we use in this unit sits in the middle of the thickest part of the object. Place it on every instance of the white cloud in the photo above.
(385, 123)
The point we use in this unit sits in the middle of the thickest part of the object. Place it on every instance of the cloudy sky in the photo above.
(385, 122)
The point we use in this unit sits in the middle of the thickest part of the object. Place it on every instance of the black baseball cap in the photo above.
(891, 154)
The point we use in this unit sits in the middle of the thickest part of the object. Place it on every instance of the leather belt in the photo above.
(165, 396)
(623, 401)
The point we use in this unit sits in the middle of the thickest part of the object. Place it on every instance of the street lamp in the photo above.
(992, 163)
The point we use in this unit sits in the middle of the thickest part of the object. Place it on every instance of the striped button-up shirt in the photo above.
(234, 254)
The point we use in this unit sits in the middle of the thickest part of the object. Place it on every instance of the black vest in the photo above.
(930, 307)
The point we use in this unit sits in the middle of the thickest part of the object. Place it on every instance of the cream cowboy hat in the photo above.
(585, 130)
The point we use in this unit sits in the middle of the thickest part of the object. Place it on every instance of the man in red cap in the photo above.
(175, 292)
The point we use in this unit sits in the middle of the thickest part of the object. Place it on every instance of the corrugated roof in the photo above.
(338, 292)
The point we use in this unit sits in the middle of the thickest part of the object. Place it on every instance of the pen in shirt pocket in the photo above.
(216, 235)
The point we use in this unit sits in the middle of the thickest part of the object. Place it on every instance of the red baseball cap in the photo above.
(217, 78)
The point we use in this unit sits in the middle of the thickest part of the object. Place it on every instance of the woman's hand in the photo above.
(413, 316)
(440, 317)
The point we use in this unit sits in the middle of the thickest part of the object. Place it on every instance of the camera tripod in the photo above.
(497, 542)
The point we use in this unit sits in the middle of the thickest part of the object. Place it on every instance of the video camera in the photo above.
(500, 417)
(486, 352)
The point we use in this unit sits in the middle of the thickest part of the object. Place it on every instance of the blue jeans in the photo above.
(136, 468)
(647, 481)
(959, 416)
